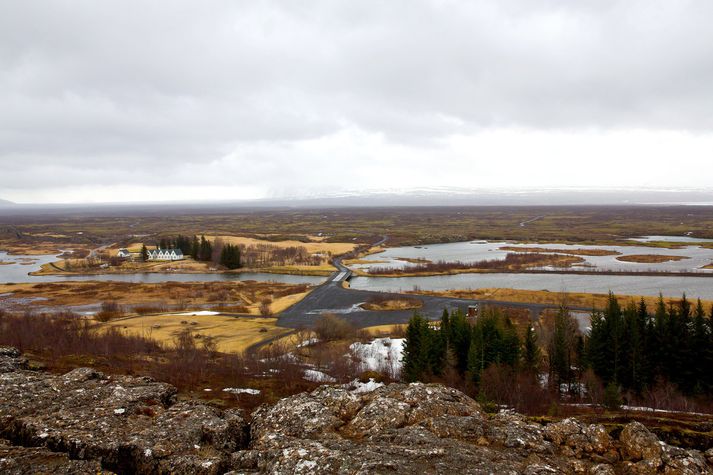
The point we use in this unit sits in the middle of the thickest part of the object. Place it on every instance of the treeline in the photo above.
(636, 349)
(200, 249)
(265, 255)
(662, 358)
(234, 256)
(460, 347)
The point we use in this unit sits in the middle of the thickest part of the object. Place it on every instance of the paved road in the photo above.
(331, 297)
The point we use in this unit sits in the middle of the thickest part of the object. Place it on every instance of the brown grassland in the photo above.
(230, 334)
(573, 299)
(380, 303)
(650, 258)
(318, 246)
(240, 297)
(49, 232)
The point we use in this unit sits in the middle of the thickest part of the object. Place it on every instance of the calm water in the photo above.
(18, 273)
(633, 285)
(670, 286)
(695, 257)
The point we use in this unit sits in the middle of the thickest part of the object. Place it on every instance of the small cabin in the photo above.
(123, 253)
(165, 255)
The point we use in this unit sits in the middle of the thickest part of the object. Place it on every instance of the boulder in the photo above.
(11, 360)
(127, 424)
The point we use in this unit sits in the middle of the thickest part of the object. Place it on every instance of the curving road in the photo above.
(332, 297)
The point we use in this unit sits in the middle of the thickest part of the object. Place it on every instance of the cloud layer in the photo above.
(112, 101)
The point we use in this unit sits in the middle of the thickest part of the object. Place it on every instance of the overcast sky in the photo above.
(175, 100)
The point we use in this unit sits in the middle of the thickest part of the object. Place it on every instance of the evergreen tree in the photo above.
(459, 340)
(561, 351)
(230, 256)
(700, 349)
(144, 253)
(494, 340)
(415, 350)
(531, 355)
(195, 248)
(205, 252)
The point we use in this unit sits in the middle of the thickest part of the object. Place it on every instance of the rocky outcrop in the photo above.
(84, 421)
(126, 424)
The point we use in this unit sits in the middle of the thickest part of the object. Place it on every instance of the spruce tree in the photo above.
(531, 355)
(415, 350)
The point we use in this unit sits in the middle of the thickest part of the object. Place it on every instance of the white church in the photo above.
(165, 255)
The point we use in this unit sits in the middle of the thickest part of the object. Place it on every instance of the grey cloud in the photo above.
(111, 86)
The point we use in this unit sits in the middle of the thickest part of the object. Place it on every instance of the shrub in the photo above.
(612, 397)
(108, 311)
(330, 327)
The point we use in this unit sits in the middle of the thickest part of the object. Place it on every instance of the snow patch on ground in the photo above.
(253, 392)
(309, 342)
(200, 313)
(357, 386)
(651, 409)
(318, 376)
(382, 354)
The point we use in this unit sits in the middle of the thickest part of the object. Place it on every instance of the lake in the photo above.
(670, 286)
(695, 257)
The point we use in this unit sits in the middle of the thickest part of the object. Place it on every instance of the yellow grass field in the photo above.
(386, 330)
(334, 248)
(231, 334)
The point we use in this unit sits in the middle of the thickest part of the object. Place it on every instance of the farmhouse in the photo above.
(123, 253)
(165, 255)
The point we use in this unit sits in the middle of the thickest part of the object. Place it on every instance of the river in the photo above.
(18, 273)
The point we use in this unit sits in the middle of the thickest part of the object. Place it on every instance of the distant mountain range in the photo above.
(419, 197)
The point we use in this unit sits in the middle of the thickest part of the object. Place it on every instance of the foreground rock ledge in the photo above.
(86, 422)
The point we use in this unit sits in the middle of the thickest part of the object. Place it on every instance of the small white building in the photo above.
(123, 253)
(165, 255)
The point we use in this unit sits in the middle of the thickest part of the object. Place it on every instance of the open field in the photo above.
(230, 334)
(239, 297)
(320, 246)
(403, 225)
(597, 301)
(650, 258)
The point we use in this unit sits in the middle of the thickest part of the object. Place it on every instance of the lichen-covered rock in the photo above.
(416, 428)
(645, 454)
(86, 422)
(579, 440)
(21, 460)
(10, 360)
(128, 424)
(638, 443)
